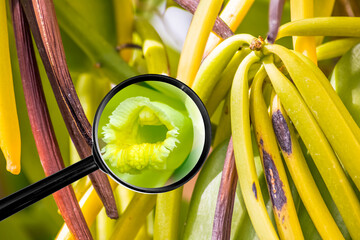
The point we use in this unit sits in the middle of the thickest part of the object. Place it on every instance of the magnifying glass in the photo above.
(151, 134)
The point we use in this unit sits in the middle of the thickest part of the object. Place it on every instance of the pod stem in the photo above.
(232, 14)
(10, 143)
(167, 214)
(196, 38)
(275, 13)
(41, 126)
(302, 9)
(226, 197)
(133, 218)
(43, 24)
(220, 27)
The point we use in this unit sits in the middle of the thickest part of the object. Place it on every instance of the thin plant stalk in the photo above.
(134, 217)
(301, 9)
(43, 23)
(193, 49)
(226, 197)
(124, 21)
(90, 205)
(223, 129)
(335, 48)
(220, 28)
(322, 26)
(351, 8)
(167, 214)
(232, 15)
(10, 143)
(41, 126)
(323, 8)
(102, 54)
(275, 13)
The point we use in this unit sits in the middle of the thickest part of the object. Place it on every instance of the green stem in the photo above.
(134, 216)
(335, 48)
(210, 70)
(322, 26)
(167, 214)
(223, 130)
(194, 46)
(223, 85)
(153, 48)
(94, 45)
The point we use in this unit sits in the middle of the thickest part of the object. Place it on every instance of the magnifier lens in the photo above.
(151, 134)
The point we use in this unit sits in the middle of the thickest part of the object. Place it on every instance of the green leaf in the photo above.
(201, 213)
(346, 81)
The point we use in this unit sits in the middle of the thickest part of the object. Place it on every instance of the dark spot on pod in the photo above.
(282, 131)
(261, 142)
(127, 45)
(273, 181)
(226, 110)
(254, 190)
(290, 79)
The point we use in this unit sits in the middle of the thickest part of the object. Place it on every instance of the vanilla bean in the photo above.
(275, 13)
(45, 29)
(41, 126)
(226, 197)
(220, 27)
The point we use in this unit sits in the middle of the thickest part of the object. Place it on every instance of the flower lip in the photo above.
(129, 147)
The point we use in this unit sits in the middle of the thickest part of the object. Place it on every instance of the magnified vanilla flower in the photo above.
(143, 134)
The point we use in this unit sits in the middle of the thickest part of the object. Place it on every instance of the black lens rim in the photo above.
(162, 78)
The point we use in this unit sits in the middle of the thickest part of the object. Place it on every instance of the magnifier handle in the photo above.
(37, 191)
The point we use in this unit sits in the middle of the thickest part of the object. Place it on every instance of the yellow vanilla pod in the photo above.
(143, 234)
(233, 14)
(90, 205)
(130, 222)
(319, 148)
(244, 156)
(333, 95)
(300, 173)
(327, 108)
(223, 129)
(10, 142)
(212, 67)
(322, 26)
(124, 20)
(223, 86)
(168, 205)
(286, 218)
(105, 225)
(323, 8)
(335, 48)
(301, 9)
(153, 49)
(193, 49)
